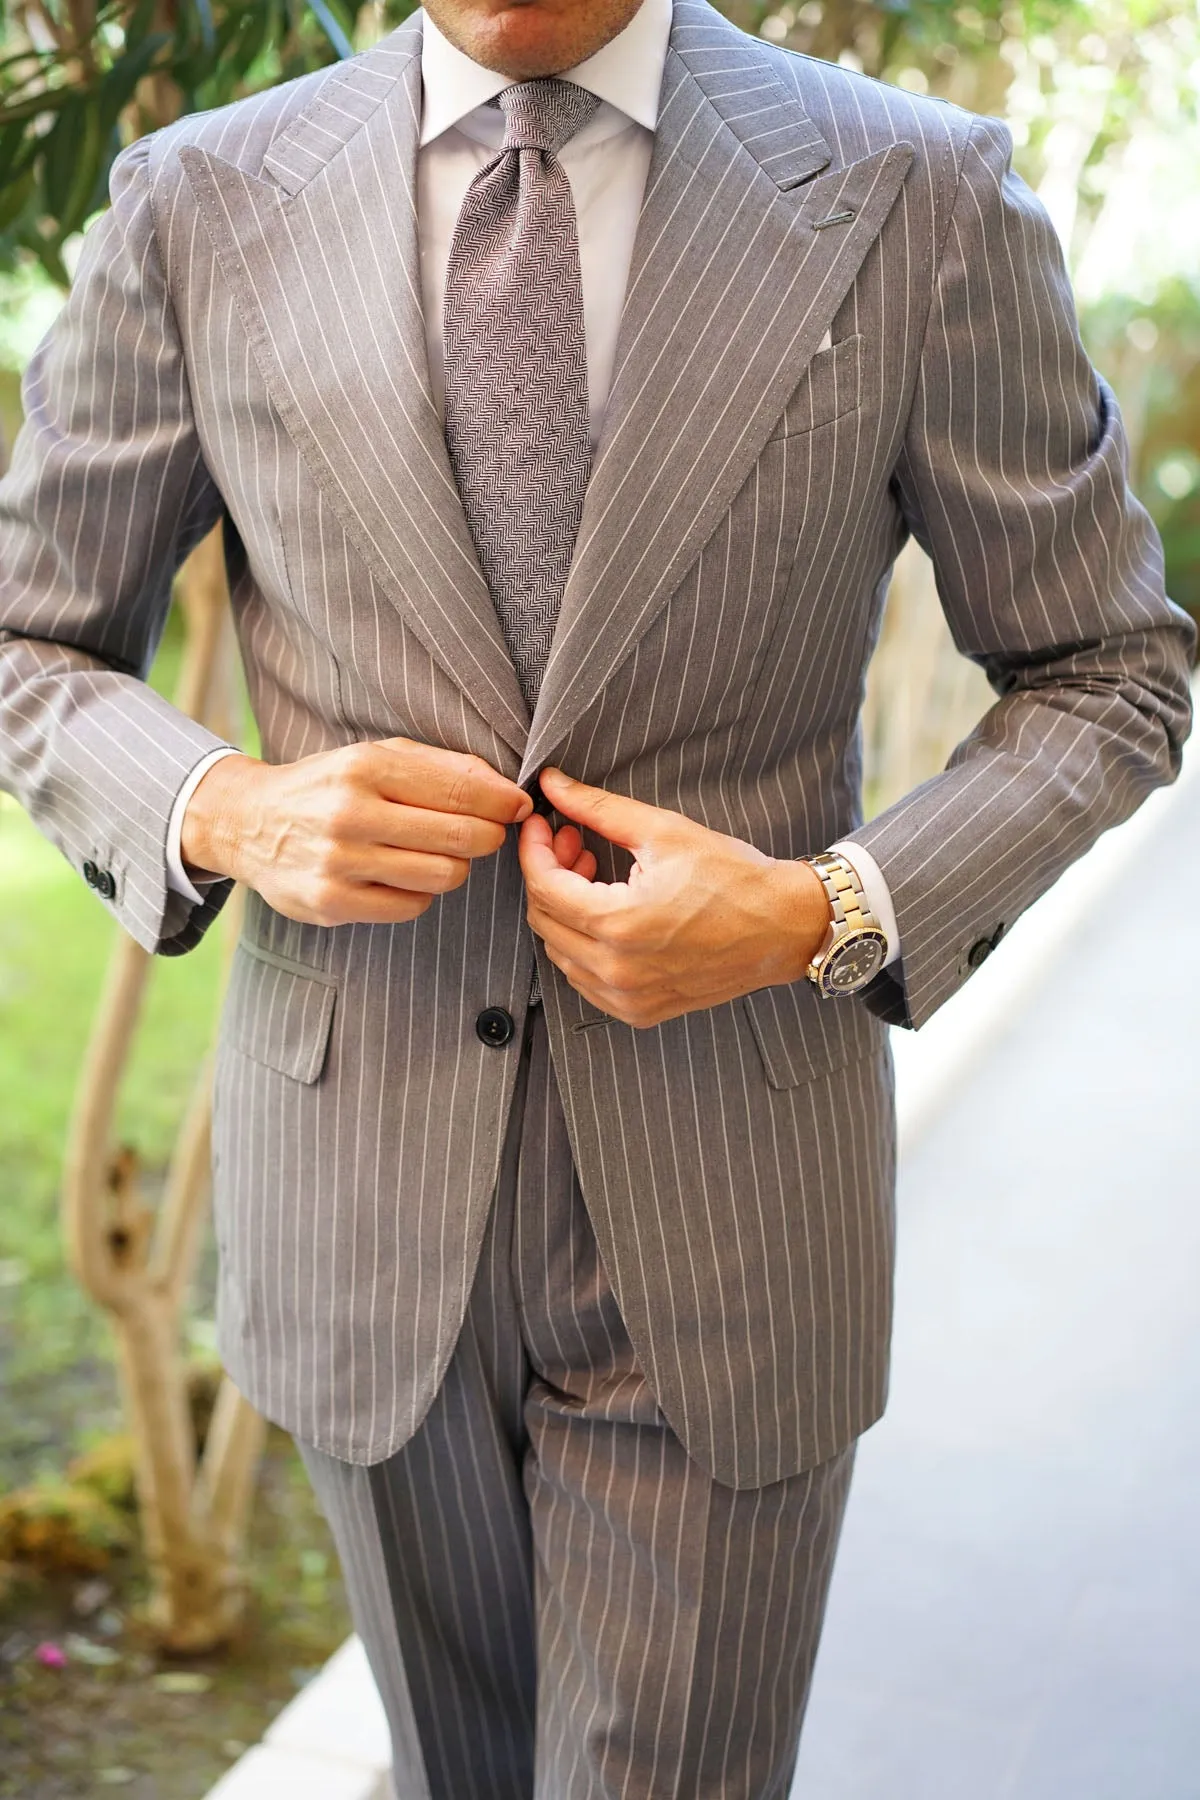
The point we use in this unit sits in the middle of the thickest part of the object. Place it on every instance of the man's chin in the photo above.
(527, 69)
(525, 39)
(523, 50)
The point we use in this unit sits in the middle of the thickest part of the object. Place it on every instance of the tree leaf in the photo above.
(61, 150)
(208, 33)
(333, 31)
(117, 88)
(14, 197)
(74, 163)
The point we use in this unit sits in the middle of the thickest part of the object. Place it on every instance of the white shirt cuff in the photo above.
(876, 890)
(178, 879)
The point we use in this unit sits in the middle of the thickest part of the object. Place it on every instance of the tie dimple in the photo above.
(544, 114)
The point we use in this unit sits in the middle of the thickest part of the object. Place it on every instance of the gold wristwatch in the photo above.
(855, 946)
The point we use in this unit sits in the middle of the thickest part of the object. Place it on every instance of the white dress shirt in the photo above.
(606, 165)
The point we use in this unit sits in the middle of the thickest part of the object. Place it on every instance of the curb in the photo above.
(330, 1743)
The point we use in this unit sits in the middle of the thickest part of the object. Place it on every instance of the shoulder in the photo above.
(858, 114)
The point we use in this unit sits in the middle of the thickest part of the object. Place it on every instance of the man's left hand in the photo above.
(702, 918)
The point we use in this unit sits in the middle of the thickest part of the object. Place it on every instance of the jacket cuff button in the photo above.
(90, 873)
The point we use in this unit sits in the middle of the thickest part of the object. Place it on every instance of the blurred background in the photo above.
(146, 1646)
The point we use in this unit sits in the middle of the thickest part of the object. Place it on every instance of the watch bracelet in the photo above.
(847, 897)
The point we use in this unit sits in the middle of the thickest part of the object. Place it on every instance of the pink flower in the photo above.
(51, 1656)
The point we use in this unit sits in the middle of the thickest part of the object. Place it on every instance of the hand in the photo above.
(702, 918)
(366, 834)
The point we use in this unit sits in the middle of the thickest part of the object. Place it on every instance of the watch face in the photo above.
(852, 963)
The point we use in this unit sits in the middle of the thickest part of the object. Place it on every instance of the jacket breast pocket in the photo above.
(278, 1012)
(830, 387)
(800, 1036)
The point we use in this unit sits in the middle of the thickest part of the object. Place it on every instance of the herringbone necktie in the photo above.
(516, 367)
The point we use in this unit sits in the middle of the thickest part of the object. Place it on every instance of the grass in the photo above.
(62, 1731)
(55, 941)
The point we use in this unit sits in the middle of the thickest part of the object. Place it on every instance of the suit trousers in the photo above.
(556, 1601)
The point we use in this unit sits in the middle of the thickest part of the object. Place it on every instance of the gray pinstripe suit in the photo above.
(245, 340)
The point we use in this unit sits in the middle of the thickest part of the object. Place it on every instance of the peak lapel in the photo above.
(322, 258)
(736, 276)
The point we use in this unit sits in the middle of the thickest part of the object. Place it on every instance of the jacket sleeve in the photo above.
(106, 494)
(1013, 479)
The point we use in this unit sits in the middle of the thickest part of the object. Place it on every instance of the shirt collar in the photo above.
(627, 72)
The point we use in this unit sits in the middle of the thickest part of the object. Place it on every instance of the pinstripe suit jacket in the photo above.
(245, 342)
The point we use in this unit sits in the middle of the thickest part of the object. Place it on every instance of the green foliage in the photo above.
(55, 938)
(78, 83)
(61, 1524)
(1151, 352)
(884, 37)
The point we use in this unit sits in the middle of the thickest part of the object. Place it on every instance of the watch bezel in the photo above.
(836, 954)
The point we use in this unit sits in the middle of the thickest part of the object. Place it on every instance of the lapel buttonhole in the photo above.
(837, 218)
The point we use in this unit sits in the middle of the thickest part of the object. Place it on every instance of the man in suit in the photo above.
(564, 428)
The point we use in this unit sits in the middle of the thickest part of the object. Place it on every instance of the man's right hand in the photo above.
(366, 834)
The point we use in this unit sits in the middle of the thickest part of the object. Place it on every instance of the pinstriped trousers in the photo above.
(556, 1601)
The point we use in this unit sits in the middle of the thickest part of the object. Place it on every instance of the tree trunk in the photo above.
(139, 1265)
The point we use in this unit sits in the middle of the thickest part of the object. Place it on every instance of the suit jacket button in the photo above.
(979, 952)
(495, 1027)
(91, 873)
(106, 887)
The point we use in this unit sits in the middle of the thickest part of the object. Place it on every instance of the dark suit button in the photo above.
(106, 887)
(91, 873)
(495, 1027)
(979, 952)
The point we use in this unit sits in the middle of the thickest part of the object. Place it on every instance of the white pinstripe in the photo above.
(545, 1528)
(245, 340)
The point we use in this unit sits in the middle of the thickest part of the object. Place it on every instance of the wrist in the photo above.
(804, 916)
(213, 829)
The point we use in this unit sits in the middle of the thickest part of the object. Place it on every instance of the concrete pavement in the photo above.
(1014, 1611)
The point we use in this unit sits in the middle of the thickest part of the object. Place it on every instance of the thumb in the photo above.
(629, 823)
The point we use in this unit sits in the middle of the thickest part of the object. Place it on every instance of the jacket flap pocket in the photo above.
(801, 1036)
(279, 1012)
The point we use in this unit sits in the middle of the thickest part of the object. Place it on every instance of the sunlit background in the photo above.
(1013, 1612)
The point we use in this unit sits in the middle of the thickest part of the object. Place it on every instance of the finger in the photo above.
(447, 781)
(640, 1012)
(536, 830)
(581, 978)
(377, 905)
(416, 828)
(564, 940)
(630, 823)
(413, 871)
(351, 903)
(568, 842)
(571, 853)
(560, 893)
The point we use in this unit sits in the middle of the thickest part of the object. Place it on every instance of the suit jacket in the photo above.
(244, 342)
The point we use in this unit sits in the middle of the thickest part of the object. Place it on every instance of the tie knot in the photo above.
(544, 114)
